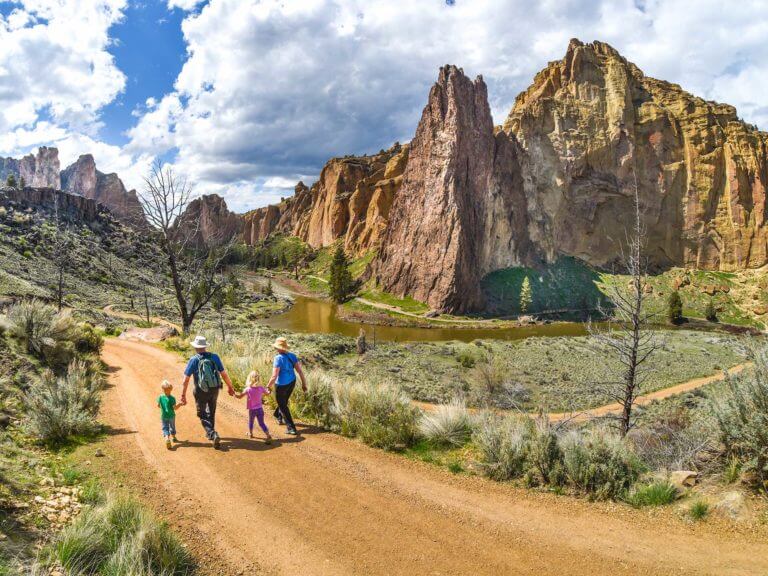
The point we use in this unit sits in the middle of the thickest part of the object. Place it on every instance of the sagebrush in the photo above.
(60, 406)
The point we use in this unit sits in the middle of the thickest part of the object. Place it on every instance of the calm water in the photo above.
(313, 315)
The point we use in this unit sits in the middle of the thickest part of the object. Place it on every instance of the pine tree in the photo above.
(22, 184)
(10, 181)
(340, 283)
(675, 308)
(526, 296)
(268, 291)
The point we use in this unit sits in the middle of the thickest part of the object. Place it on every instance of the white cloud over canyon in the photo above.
(271, 89)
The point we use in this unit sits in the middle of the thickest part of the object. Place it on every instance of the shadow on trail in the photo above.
(112, 431)
(230, 443)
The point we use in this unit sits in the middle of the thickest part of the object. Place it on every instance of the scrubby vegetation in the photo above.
(741, 410)
(48, 406)
(118, 537)
(62, 406)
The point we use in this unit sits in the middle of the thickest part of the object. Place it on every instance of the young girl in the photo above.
(254, 391)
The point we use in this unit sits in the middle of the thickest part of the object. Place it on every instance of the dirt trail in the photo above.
(320, 504)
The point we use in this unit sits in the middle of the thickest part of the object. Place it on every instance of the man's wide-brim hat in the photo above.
(281, 344)
(199, 342)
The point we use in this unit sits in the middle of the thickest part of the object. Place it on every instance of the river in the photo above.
(319, 316)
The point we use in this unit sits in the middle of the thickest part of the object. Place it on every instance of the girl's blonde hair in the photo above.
(253, 377)
(165, 385)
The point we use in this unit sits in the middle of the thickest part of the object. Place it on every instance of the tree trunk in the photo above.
(146, 304)
(60, 291)
(221, 325)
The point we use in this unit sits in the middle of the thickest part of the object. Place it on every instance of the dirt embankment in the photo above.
(321, 504)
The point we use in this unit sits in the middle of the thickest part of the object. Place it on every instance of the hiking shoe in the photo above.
(249, 434)
(174, 438)
(279, 420)
(216, 441)
(168, 443)
(268, 440)
(292, 432)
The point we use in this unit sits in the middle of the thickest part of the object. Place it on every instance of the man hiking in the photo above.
(285, 366)
(208, 371)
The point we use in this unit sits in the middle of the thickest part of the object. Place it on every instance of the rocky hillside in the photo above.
(351, 200)
(557, 179)
(82, 178)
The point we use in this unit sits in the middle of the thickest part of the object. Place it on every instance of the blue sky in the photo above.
(245, 97)
(149, 48)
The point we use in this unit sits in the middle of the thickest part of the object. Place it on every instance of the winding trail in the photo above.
(320, 504)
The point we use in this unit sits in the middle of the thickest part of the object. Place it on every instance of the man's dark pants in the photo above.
(283, 396)
(206, 410)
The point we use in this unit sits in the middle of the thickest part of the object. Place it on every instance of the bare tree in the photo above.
(192, 266)
(627, 336)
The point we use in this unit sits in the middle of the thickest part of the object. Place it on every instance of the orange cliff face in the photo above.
(593, 122)
(350, 200)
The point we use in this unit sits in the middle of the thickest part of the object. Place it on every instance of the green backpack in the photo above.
(207, 375)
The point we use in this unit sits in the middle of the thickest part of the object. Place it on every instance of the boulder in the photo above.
(683, 479)
(732, 505)
(154, 334)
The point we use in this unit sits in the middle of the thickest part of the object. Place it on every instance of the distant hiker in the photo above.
(254, 391)
(167, 404)
(286, 365)
(208, 371)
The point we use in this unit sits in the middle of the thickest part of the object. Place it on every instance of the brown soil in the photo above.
(321, 504)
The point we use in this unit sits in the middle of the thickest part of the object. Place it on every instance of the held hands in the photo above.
(230, 390)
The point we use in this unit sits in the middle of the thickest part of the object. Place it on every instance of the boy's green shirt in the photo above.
(166, 407)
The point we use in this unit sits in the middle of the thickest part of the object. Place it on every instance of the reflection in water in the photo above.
(319, 316)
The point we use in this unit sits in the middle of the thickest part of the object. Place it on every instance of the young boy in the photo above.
(167, 404)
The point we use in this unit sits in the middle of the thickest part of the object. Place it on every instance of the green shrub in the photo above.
(732, 472)
(675, 308)
(466, 359)
(92, 493)
(710, 312)
(87, 340)
(490, 386)
(503, 445)
(61, 406)
(317, 404)
(598, 463)
(699, 510)
(545, 456)
(43, 330)
(71, 476)
(654, 494)
(118, 537)
(447, 425)
(380, 415)
(741, 411)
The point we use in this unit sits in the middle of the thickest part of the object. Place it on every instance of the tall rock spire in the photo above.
(443, 234)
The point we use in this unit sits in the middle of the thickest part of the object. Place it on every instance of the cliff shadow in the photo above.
(566, 289)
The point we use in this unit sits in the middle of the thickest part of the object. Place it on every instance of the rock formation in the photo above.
(42, 170)
(208, 220)
(39, 170)
(593, 125)
(82, 178)
(350, 200)
(461, 210)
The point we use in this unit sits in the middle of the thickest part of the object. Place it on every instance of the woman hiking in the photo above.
(286, 365)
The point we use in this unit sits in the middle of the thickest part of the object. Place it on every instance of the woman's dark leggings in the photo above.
(282, 396)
